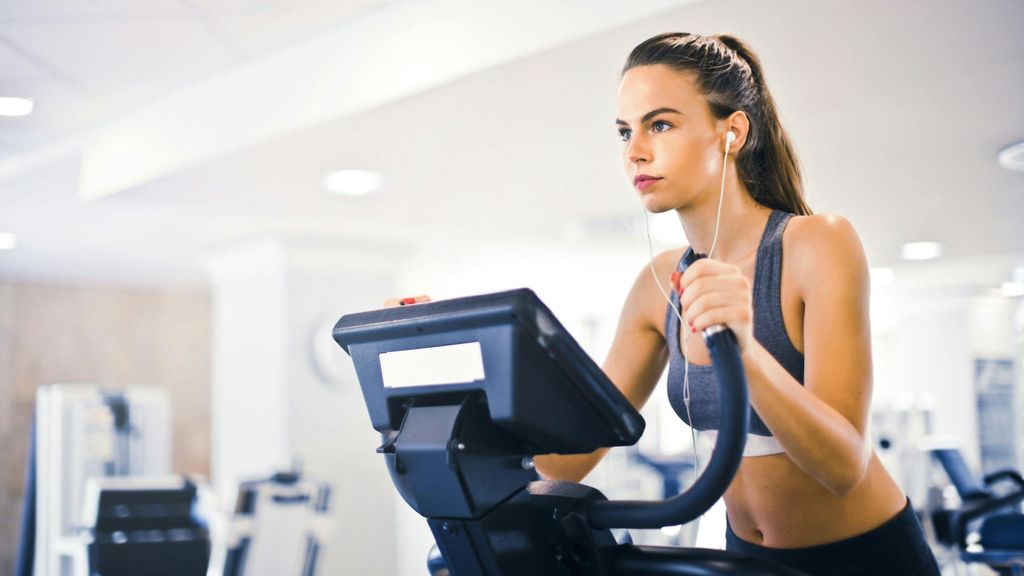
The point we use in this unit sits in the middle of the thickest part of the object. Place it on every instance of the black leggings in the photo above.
(897, 547)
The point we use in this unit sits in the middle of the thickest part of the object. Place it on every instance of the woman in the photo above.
(810, 492)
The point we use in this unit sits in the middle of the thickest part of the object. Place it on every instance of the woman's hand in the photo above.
(713, 292)
(392, 302)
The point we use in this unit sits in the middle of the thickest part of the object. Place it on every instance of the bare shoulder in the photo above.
(666, 262)
(646, 301)
(819, 228)
(823, 246)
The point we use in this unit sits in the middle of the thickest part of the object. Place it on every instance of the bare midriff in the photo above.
(772, 503)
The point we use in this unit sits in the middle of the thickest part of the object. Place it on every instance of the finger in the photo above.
(414, 300)
(392, 302)
(691, 273)
(717, 301)
(706, 285)
(704, 268)
(728, 316)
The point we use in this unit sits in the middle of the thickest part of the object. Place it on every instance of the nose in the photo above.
(637, 150)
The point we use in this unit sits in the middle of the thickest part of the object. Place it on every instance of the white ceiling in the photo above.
(86, 61)
(897, 111)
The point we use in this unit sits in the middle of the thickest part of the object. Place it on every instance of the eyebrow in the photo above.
(650, 115)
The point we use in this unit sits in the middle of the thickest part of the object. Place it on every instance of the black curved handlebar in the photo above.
(1011, 475)
(734, 416)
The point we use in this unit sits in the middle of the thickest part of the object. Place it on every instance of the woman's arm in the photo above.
(822, 425)
(635, 362)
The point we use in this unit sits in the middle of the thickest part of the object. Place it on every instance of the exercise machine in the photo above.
(144, 525)
(99, 498)
(83, 432)
(279, 527)
(988, 526)
(466, 392)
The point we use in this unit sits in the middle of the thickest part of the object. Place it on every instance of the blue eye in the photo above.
(624, 134)
(657, 126)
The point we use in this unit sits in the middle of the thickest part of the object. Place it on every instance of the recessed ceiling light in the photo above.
(11, 106)
(882, 277)
(1012, 289)
(8, 240)
(1012, 157)
(921, 250)
(352, 182)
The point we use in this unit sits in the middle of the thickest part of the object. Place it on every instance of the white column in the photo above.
(275, 403)
(248, 424)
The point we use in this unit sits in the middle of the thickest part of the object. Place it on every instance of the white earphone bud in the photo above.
(730, 137)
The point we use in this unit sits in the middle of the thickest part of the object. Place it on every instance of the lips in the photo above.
(643, 181)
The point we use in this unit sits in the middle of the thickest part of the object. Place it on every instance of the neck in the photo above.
(742, 222)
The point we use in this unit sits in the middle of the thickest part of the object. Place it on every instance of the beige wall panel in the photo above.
(105, 336)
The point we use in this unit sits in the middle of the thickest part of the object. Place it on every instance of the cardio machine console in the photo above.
(508, 348)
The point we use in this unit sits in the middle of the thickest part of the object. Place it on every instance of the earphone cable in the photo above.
(676, 310)
(686, 341)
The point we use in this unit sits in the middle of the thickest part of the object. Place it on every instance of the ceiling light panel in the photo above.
(922, 250)
(352, 182)
(15, 106)
(1012, 157)
(8, 240)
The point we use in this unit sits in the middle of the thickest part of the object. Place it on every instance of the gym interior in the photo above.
(193, 193)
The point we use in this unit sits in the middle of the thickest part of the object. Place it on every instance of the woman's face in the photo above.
(669, 134)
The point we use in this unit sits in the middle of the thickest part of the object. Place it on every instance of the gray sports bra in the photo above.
(769, 331)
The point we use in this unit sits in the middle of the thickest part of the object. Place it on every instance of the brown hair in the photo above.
(729, 75)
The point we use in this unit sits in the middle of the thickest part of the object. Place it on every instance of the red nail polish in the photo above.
(692, 328)
(408, 301)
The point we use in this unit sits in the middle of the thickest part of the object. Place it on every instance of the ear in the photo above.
(739, 124)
